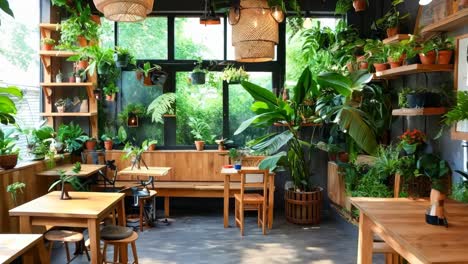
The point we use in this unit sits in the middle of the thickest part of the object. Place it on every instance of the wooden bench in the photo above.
(193, 173)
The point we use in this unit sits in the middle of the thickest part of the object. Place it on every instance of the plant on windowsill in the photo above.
(233, 75)
(198, 74)
(201, 132)
(145, 73)
(8, 150)
(71, 179)
(13, 190)
(48, 43)
(89, 142)
(222, 143)
(391, 20)
(123, 57)
(134, 153)
(110, 90)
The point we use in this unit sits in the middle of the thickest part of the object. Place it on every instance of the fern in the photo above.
(458, 112)
(161, 105)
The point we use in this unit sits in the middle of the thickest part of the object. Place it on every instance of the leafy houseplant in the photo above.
(107, 138)
(402, 100)
(342, 6)
(411, 140)
(60, 104)
(391, 20)
(161, 105)
(460, 190)
(444, 47)
(411, 49)
(236, 157)
(72, 136)
(198, 73)
(72, 179)
(232, 74)
(8, 150)
(428, 52)
(146, 71)
(377, 53)
(135, 152)
(110, 91)
(13, 190)
(200, 131)
(48, 43)
(80, 27)
(123, 57)
(459, 112)
(7, 106)
(396, 55)
(90, 143)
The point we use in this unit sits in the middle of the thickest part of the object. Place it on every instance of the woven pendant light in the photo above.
(254, 31)
(124, 10)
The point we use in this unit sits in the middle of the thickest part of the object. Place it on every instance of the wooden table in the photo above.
(86, 170)
(85, 209)
(401, 224)
(146, 172)
(13, 246)
(227, 172)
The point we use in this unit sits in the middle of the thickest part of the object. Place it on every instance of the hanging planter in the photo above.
(198, 77)
(124, 10)
(158, 78)
(359, 5)
(146, 73)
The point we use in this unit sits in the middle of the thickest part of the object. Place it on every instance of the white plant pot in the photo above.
(78, 79)
(84, 108)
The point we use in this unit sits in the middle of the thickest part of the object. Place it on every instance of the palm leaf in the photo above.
(338, 82)
(259, 93)
(271, 162)
(360, 79)
(244, 125)
(303, 86)
(160, 106)
(6, 7)
(274, 144)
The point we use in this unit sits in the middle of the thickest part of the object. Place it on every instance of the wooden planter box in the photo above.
(303, 208)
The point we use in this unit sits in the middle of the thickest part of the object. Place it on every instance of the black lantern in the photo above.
(209, 16)
(97, 94)
(132, 120)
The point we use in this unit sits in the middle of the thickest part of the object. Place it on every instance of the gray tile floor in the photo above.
(201, 238)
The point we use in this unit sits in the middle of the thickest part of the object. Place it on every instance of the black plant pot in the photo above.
(416, 100)
(198, 77)
(413, 60)
(432, 100)
(159, 78)
(121, 61)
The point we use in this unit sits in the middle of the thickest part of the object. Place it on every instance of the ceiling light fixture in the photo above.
(124, 10)
(424, 2)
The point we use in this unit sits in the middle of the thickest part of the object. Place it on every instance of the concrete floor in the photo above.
(201, 238)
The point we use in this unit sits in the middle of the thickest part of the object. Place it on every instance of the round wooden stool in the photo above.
(66, 236)
(117, 244)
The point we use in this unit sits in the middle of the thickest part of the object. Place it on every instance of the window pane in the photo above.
(133, 91)
(193, 40)
(230, 49)
(239, 107)
(202, 102)
(107, 37)
(146, 39)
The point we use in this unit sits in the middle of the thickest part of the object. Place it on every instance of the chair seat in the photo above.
(133, 237)
(250, 198)
(113, 232)
(63, 236)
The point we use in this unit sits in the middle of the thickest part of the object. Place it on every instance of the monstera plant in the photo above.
(7, 106)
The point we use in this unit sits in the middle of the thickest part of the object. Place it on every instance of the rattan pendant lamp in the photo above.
(124, 10)
(255, 30)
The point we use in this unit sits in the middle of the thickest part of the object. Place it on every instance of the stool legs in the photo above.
(134, 251)
(117, 255)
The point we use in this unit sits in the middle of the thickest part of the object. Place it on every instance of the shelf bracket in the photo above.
(47, 93)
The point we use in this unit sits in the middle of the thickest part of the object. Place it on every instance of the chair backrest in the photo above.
(93, 157)
(253, 179)
(252, 161)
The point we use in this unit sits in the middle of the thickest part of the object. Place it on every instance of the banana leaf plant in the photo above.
(7, 106)
(270, 109)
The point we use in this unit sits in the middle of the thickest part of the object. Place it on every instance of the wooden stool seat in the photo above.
(67, 236)
(119, 242)
(250, 198)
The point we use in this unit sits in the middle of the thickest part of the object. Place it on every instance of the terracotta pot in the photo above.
(90, 144)
(96, 19)
(343, 157)
(60, 109)
(359, 5)
(364, 65)
(444, 56)
(428, 58)
(200, 145)
(8, 162)
(350, 67)
(82, 41)
(152, 147)
(221, 147)
(71, 79)
(392, 31)
(147, 81)
(83, 64)
(110, 98)
(108, 144)
(380, 66)
(395, 64)
(48, 46)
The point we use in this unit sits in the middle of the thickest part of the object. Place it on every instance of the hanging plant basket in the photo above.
(159, 78)
(8, 162)
(359, 5)
(121, 61)
(304, 208)
(110, 98)
(198, 77)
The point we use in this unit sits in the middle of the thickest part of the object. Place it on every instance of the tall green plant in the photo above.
(7, 106)
(163, 104)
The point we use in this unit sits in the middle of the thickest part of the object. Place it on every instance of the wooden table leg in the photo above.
(26, 228)
(43, 254)
(123, 253)
(271, 200)
(166, 206)
(365, 242)
(226, 200)
(94, 237)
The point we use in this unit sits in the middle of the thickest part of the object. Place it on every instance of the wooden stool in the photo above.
(391, 256)
(142, 200)
(121, 242)
(66, 236)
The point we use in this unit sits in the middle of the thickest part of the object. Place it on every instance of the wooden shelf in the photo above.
(395, 39)
(450, 23)
(72, 114)
(67, 84)
(167, 115)
(413, 68)
(57, 53)
(302, 124)
(429, 111)
(48, 26)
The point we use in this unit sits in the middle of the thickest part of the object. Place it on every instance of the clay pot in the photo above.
(363, 65)
(82, 41)
(83, 64)
(152, 147)
(48, 46)
(444, 56)
(61, 109)
(108, 144)
(8, 162)
(380, 66)
(392, 31)
(350, 67)
(71, 79)
(359, 5)
(343, 157)
(428, 58)
(96, 19)
(200, 145)
(110, 98)
(90, 144)
(147, 81)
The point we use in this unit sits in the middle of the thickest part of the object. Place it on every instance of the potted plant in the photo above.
(72, 135)
(122, 57)
(458, 112)
(396, 55)
(8, 150)
(48, 43)
(60, 105)
(161, 105)
(236, 158)
(362, 62)
(222, 143)
(131, 114)
(79, 29)
(200, 131)
(416, 98)
(391, 20)
(411, 49)
(145, 72)
(234, 75)
(412, 140)
(71, 78)
(427, 55)
(80, 76)
(135, 152)
(198, 73)
(377, 53)
(152, 144)
(437, 170)
(342, 6)
(13, 190)
(71, 179)
(110, 91)
(445, 47)
(90, 143)
(81, 59)
(107, 139)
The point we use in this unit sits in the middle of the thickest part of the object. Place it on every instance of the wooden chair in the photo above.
(65, 237)
(255, 201)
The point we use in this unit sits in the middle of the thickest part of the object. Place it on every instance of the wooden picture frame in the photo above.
(460, 130)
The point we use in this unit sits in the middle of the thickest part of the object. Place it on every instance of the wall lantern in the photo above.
(124, 10)
(97, 94)
(424, 2)
(255, 30)
(209, 16)
(132, 120)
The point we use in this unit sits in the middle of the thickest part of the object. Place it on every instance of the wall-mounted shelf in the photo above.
(395, 39)
(57, 53)
(428, 111)
(67, 84)
(47, 88)
(72, 114)
(413, 68)
(167, 115)
(450, 23)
